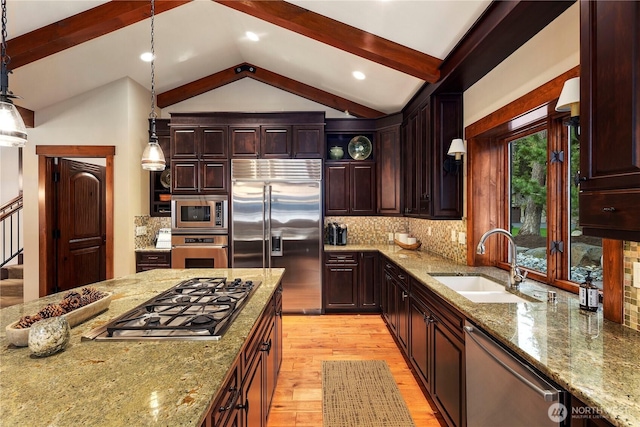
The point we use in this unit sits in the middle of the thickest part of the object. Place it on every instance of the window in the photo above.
(542, 203)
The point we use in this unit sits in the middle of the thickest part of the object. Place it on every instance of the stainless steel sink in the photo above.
(479, 289)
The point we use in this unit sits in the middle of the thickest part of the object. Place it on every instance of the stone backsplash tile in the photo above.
(631, 293)
(153, 224)
(434, 235)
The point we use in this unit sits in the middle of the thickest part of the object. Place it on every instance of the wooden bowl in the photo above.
(411, 247)
(20, 336)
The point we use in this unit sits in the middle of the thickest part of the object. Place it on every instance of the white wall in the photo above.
(249, 96)
(9, 185)
(115, 114)
(550, 53)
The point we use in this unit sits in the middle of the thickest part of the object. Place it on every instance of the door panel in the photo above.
(296, 216)
(248, 228)
(81, 256)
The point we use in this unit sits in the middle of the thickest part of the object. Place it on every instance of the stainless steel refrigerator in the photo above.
(276, 211)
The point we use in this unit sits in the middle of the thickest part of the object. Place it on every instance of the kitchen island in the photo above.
(125, 383)
(593, 359)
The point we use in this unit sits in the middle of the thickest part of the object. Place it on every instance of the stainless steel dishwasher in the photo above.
(503, 391)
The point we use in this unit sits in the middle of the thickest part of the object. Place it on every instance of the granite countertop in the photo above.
(594, 359)
(152, 249)
(117, 383)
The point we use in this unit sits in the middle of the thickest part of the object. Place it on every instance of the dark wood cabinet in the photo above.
(436, 352)
(157, 187)
(351, 282)
(308, 141)
(350, 188)
(245, 399)
(396, 295)
(275, 142)
(244, 141)
(586, 416)
(430, 191)
(610, 119)
(150, 260)
(388, 170)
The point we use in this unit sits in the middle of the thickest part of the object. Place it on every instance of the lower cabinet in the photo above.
(246, 397)
(429, 332)
(150, 260)
(351, 282)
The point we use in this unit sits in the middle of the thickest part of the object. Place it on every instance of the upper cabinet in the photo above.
(610, 119)
(430, 189)
(159, 181)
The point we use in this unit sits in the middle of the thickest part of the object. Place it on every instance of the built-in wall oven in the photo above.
(199, 232)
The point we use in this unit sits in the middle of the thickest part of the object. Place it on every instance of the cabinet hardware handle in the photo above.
(236, 393)
(608, 209)
(152, 257)
(266, 346)
(245, 406)
(401, 277)
(404, 295)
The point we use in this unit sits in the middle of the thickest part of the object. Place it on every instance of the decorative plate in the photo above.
(359, 147)
(165, 178)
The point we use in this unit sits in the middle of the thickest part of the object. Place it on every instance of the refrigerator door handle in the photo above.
(267, 236)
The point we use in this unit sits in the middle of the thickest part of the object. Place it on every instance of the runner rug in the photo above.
(361, 393)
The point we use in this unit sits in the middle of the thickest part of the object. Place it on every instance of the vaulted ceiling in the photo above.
(60, 49)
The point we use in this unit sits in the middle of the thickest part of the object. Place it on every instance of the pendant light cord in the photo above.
(4, 58)
(153, 68)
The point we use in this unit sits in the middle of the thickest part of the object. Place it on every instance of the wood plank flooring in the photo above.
(308, 340)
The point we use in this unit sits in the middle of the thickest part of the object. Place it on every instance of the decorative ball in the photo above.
(49, 336)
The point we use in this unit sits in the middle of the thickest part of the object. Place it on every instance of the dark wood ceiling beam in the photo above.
(28, 116)
(341, 36)
(82, 27)
(502, 29)
(278, 81)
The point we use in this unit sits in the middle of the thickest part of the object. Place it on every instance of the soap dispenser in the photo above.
(589, 295)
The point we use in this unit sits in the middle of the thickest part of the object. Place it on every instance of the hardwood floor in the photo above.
(308, 340)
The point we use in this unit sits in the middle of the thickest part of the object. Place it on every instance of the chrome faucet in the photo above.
(516, 277)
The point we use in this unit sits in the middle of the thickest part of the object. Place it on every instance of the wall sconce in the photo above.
(456, 150)
(570, 101)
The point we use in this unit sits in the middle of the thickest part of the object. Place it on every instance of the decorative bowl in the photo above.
(359, 147)
(411, 247)
(20, 336)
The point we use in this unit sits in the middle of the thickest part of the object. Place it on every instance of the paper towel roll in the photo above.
(402, 237)
(411, 240)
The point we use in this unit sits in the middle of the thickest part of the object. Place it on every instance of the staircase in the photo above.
(11, 285)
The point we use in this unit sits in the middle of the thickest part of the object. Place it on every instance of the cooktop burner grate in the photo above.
(199, 308)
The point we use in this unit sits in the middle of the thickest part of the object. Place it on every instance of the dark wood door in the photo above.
(448, 373)
(336, 188)
(214, 143)
(369, 289)
(185, 176)
(388, 170)
(410, 162)
(214, 177)
(275, 142)
(244, 141)
(419, 342)
(341, 287)
(363, 188)
(308, 141)
(81, 221)
(402, 303)
(184, 143)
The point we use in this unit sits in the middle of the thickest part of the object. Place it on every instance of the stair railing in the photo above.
(11, 218)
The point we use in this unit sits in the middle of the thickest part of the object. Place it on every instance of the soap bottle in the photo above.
(589, 295)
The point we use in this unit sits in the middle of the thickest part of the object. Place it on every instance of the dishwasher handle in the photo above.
(547, 395)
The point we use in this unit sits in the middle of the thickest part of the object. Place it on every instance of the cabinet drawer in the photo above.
(341, 258)
(228, 398)
(154, 258)
(442, 310)
(258, 338)
(613, 209)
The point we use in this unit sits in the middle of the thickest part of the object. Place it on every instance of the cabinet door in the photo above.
(419, 342)
(214, 143)
(341, 291)
(184, 176)
(184, 143)
(252, 400)
(410, 163)
(402, 301)
(448, 373)
(369, 286)
(388, 171)
(363, 188)
(308, 141)
(336, 189)
(424, 166)
(275, 142)
(244, 141)
(214, 177)
(270, 354)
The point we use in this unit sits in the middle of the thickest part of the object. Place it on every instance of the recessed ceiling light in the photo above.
(146, 57)
(252, 36)
(359, 75)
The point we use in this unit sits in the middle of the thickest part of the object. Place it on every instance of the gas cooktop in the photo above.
(195, 309)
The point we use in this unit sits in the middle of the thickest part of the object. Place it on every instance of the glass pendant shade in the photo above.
(13, 132)
(153, 157)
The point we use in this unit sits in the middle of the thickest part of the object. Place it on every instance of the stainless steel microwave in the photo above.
(205, 214)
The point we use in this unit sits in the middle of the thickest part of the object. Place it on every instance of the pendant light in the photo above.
(13, 132)
(153, 157)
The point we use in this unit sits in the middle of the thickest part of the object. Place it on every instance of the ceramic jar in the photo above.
(336, 152)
